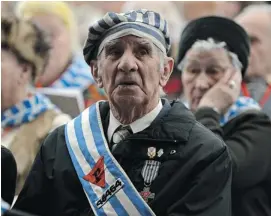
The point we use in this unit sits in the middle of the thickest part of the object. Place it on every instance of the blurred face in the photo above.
(228, 8)
(130, 70)
(14, 79)
(258, 28)
(61, 51)
(203, 69)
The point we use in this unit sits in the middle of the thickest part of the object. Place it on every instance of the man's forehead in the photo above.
(130, 39)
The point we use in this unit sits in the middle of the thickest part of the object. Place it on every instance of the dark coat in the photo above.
(8, 175)
(195, 179)
(248, 137)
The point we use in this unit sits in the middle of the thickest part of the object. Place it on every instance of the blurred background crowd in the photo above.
(65, 25)
(85, 13)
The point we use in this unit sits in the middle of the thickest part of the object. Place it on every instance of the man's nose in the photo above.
(202, 81)
(128, 62)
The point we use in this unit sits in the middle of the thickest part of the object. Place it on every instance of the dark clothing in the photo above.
(195, 179)
(248, 138)
(8, 175)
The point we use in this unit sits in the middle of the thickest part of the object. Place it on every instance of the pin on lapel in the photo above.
(160, 152)
(151, 152)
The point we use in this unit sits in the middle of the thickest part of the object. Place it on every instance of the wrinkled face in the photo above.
(14, 78)
(130, 70)
(258, 28)
(60, 39)
(203, 69)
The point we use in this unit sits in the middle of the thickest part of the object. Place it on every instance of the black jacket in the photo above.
(248, 137)
(8, 175)
(194, 180)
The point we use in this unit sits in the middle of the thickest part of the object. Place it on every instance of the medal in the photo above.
(151, 152)
(146, 194)
(149, 173)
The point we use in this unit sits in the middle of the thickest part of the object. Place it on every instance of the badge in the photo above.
(151, 152)
(96, 175)
(160, 152)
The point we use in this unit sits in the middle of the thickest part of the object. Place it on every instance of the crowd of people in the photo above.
(177, 109)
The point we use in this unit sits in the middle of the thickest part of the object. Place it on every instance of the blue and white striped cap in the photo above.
(141, 23)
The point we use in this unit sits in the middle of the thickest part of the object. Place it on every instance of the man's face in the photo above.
(203, 69)
(130, 70)
(13, 78)
(258, 28)
(61, 47)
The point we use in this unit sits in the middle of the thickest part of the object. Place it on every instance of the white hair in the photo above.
(211, 44)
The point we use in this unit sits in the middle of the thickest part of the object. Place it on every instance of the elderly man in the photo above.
(256, 20)
(212, 62)
(135, 154)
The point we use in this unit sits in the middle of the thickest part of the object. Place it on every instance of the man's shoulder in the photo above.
(203, 136)
(181, 124)
(54, 139)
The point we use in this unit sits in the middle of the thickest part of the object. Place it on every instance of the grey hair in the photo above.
(162, 57)
(211, 44)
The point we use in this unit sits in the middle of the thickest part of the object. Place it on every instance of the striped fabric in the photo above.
(141, 23)
(78, 75)
(241, 105)
(26, 111)
(86, 144)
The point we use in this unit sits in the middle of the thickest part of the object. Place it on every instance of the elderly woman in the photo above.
(213, 58)
(66, 68)
(26, 117)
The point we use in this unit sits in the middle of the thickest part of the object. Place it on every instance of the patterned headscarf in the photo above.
(27, 41)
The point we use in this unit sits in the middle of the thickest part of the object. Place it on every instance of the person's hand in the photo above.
(224, 93)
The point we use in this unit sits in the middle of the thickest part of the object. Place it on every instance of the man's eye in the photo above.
(115, 52)
(143, 52)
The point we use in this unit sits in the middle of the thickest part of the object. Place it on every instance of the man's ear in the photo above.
(95, 73)
(167, 70)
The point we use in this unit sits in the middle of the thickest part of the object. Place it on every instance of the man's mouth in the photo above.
(128, 83)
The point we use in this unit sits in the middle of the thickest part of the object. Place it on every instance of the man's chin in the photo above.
(127, 100)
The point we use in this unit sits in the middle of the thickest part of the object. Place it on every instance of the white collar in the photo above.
(136, 126)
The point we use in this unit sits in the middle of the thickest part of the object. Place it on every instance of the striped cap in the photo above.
(141, 23)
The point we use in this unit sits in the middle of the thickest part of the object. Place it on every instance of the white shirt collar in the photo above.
(136, 126)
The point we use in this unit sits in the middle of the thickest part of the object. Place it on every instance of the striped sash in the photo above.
(87, 145)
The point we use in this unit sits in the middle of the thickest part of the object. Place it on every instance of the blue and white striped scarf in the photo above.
(26, 111)
(241, 105)
(78, 75)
